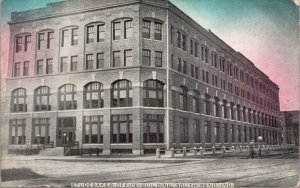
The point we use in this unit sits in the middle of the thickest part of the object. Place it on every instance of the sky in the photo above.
(265, 31)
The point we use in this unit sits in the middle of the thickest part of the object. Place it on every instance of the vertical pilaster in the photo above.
(107, 122)
(137, 146)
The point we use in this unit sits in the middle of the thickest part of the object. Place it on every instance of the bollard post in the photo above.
(184, 152)
(201, 151)
(195, 151)
(213, 150)
(223, 151)
(240, 148)
(172, 153)
(158, 152)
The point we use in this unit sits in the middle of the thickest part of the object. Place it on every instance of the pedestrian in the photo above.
(252, 151)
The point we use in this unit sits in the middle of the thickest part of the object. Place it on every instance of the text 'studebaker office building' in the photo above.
(128, 76)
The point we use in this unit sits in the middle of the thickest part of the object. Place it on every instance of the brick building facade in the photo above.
(130, 76)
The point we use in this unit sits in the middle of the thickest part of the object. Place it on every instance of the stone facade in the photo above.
(211, 94)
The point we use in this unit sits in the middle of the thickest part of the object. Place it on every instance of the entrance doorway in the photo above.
(66, 127)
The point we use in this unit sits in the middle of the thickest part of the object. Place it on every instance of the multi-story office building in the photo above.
(130, 76)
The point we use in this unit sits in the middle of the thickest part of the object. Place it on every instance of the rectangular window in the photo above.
(27, 42)
(207, 132)
(40, 130)
(197, 133)
(74, 63)
(50, 38)
(64, 37)
(196, 72)
(100, 33)
(184, 68)
(179, 66)
(184, 127)
(171, 34)
(172, 61)
(26, 68)
(17, 132)
(157, 31)
(196, 49)
(17, 69)
(146, 29)
(93, 129)
(158, 59)
(192, 70)
(128, 29)
(90, 34)
(41, 38)
(121, 129)
(63, 64)
(100, 61)
(146, 59)
(153, 128)
(18, 44)
(192, 47)
(183, 42)
(49, 66)
(128, 57)
(116, 30)
(39, 67)
(178, 39)
(217, 133)
(116, 59)
(74, 36)
(89, 62)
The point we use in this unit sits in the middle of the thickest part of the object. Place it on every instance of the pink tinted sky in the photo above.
(265, 31)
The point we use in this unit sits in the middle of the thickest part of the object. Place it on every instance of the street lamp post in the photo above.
(64, 141)
(259, 140)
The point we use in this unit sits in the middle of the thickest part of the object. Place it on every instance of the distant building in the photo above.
(291, 127)
(128, 76)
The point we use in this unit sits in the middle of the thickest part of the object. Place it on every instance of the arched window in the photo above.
(206, 105)
(224, 109)
(238, 109)
(153, 93)
(93, 95)
(217, 110)
(249, 115)
(95, 32)
(231, 110)
(244, 113)
(121, 93)
(42, 98)
(183, 98)
(122, 25)
(67, 97)
(18, 102)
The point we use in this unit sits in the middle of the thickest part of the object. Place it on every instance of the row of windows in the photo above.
(229, 135)
(194, 104)
(220, 62)
(95, 32)
(93, 96)
(214, 80)
(93, 61)
(121, 129)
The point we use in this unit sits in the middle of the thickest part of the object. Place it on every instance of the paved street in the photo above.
(269, 171)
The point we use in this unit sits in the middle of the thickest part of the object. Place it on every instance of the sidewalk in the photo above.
(10, 159)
